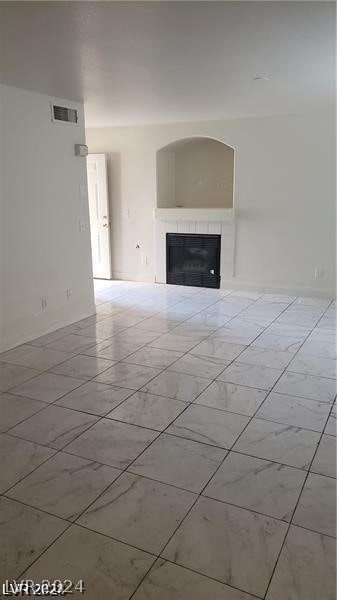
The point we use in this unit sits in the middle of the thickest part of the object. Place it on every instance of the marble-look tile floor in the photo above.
(180, 444)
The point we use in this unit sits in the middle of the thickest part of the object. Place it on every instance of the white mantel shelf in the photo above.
(194, 214)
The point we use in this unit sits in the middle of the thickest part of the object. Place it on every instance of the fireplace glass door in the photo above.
(193, 259)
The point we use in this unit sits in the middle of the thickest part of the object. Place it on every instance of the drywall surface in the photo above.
(284, 197)
(204, 172)
(46, 235)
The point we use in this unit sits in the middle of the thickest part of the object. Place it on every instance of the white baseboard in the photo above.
(267, 288)
(16, 339)
(142, 277)
(264, 288)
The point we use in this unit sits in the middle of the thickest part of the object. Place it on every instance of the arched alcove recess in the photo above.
(195, 172)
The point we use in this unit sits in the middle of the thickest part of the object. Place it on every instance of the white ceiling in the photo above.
(153, 62)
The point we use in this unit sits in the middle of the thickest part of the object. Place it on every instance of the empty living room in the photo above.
(168, 299)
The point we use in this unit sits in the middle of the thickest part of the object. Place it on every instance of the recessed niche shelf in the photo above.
(195, 173)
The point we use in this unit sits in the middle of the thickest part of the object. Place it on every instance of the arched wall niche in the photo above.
(195, 172)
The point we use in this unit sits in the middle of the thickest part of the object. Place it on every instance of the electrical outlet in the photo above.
(43, 302)
(81, 225)
(68, 293)
(319, 273)
(145, 260)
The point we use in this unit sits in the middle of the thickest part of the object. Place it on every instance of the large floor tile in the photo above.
(158, 324)
(316, 509)
(13, 375)
(84, 367)
(34, 358)
(126, 319)
(196, 331)
(293, 331)
(277, 342)
(72, 343)
(44, 340)
(177, 385)
(25, 534)
(306, 569)
(226, 307)
(331, 426)
(95, 398)
(298, 318)
(319, 348)
(128, 376)
(257, 318)
(103, 330)
(109, 569)
(64, 485)
(167, 581)
(253, 376)
(292, 410)
(322, 335)
(112, 350)
(47, 387)
(233, 398)
(18, 458)
(328, 323)
(218, 348)
(325, 458)
(54, 426)
(231, 537)
(203, 366)
(180, 343)
(207, 320)
(209, 425)
(147, 410)
(14, 409)
(308, 301)
(281, 443)
(262, 486)
(139, 511)
(112, 443)
(134, 335)
(239, 331)
(180, 462)
(153, 357)
(95, 319)
(265, 357)
(307, 386)
(314, 365)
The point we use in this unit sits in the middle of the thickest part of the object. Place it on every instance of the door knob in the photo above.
(105, 225)
(211, 271)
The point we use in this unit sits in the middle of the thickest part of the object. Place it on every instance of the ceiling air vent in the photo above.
(62, 113)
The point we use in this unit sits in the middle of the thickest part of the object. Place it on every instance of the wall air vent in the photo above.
(64, 114)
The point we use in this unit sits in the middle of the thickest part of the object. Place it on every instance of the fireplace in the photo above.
(193, 259)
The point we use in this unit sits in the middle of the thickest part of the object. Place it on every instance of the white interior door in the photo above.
(99, 216)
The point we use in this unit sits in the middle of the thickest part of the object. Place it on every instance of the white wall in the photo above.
(44, 198)
(284, 197)
(166, 179)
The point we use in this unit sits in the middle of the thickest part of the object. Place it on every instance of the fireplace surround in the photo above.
(193, 259)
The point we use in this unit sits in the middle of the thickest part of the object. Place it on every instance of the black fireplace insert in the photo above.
(193, 259)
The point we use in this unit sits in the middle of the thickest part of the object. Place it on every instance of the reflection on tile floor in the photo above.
(178, 445)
